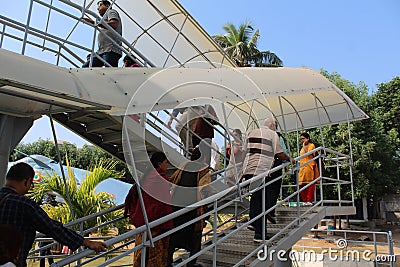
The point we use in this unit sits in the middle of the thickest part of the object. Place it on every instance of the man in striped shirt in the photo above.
(262, 145)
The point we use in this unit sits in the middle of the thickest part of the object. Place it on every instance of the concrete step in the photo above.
(240, 244)
(291, 209)
(226, 260)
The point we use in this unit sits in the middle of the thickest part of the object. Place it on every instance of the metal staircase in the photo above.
(93, 103)
(230, 243)
(241, 244)
(105, 131)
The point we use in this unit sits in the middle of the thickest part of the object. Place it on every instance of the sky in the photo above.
(358, 39)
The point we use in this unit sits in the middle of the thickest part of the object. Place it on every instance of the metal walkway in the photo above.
(185, 68)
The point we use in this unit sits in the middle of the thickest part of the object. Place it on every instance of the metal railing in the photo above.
(347, 246)
(30, 34)
(216, 207)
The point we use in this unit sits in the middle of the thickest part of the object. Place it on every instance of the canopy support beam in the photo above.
(12, 130)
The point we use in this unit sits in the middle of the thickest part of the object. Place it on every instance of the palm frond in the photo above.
(84, 199)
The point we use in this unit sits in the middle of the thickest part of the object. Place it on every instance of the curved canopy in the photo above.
(166, 34)
(302, 97)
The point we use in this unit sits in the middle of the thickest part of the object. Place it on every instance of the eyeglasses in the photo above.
(303, 138)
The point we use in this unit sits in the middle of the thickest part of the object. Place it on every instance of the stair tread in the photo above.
(222, 260)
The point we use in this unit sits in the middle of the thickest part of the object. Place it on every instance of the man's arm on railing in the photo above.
(283, 156)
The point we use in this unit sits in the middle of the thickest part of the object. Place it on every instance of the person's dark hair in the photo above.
(306, 135)
(128, 59)
(10, 243)
(20, 172)
(238, 131)
(105, 2)
(156, 158)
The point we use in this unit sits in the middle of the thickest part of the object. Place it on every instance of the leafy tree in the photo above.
(241, 45)
(386, 100)
(84, 199)
(375, 141)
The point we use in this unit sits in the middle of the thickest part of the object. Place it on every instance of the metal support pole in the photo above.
(61, 168)
(338, 179)
(286, 137)
(391, 250)
(297, 173)
(76, 24)
(215, 221)
(323, 146)
(248, 121)
(375, 248)
(351, 156)
(264, 221)
(26, 28)
(284, 128)
(2, 35)
(146, 220)
(230, 143)
(93, 44)
(176, 39)
(319, 120)
(143, 256)
(47, 26)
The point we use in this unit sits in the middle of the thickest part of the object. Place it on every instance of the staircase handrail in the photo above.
(108, 27)
(166, 218)
(210, 199)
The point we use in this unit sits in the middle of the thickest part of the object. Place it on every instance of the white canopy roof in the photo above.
(166, 34)
(302, 97)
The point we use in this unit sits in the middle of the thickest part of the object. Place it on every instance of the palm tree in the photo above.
(241, 45)
(84, 199)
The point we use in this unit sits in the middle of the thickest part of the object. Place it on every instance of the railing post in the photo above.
(321, 184)
(28, 20)
(233, 158)
(338, 179)
(93, 44)
(298, 192)
(264, 221)
(78, 262)
(62, 168)
(215, 221)
(189, 111)
(135, 172)
(143, 256)
(375, 248)
(391, 250)
(351, 156)
(2, 35)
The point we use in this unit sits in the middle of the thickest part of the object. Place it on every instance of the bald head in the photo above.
(270, 123)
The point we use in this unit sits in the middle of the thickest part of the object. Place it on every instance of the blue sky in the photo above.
(359, 39)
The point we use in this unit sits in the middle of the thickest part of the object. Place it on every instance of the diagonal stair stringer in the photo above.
(303, 228)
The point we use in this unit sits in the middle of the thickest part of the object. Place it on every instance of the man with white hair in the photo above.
(262, 145)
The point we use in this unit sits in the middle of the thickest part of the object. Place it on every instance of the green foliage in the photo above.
(84, 199)
(387, 103)
(375, 142)
(241, 45)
